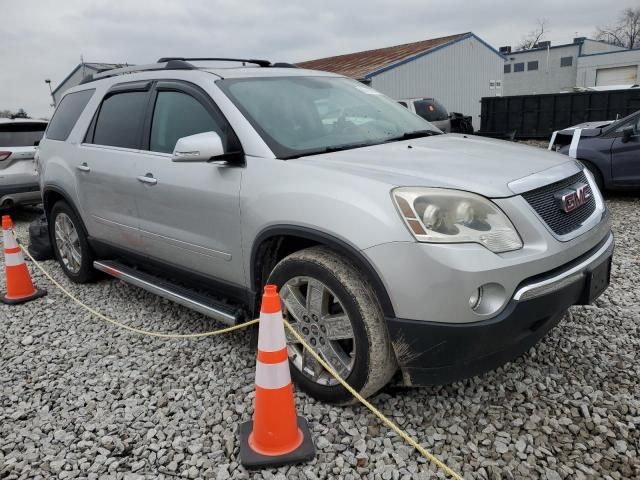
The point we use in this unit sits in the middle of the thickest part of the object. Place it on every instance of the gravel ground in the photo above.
(82, 399)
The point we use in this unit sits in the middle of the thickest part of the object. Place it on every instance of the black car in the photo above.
(610, 150)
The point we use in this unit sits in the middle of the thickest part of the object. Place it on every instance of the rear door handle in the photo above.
(83, 167)
(148, 179)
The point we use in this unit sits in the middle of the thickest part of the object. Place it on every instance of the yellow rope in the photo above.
(127, 327)
(404, 435)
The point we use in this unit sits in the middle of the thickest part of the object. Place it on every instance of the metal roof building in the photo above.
(78, 73)
(458, 70)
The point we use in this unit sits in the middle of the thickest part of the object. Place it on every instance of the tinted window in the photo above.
(532, 65)
(431, 110)
(635, 124)
(20, 134)
(178, 115)
(507, 69)
(120, 120)
(518, 67)
(67, 114)
(566, 61)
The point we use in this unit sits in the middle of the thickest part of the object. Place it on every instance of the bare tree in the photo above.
(625, 32)
(534, 36)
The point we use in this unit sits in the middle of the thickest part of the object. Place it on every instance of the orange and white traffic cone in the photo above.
(276, 436)
(20, 289)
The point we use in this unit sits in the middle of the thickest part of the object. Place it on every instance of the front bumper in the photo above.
(436, 353)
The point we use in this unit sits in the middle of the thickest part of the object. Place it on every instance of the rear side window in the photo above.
(119, 120)
(67, 113)
(21, 134)
(431, 110)
(178, 115)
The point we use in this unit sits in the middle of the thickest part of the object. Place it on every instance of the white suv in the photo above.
(18, 176)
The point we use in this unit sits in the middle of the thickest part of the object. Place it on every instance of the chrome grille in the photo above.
(544, 203)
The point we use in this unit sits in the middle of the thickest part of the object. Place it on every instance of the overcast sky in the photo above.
(44, 39)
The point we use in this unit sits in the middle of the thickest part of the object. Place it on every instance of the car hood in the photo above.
(463, 162)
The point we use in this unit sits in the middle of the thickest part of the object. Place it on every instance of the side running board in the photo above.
(195, 301)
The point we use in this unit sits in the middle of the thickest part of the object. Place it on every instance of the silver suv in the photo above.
(396, 248)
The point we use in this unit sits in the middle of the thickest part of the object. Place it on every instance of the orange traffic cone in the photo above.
(20, 289)
(276, 436)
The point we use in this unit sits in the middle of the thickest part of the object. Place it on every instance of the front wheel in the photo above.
(333, 307)
(597, 176)
(70, 244)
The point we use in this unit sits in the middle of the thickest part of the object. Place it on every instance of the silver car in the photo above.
(18, 176)
(429, 109)
(396, 248)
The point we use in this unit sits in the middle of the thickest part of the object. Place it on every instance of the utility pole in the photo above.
(53, 99)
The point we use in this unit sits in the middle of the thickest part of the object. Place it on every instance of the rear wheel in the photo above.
(333, 307)
(70, 244)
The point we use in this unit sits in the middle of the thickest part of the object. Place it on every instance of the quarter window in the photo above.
(67, 114)
(532, 65)
(518, 67)
(119, 121)
(178, 115)
(566, 61)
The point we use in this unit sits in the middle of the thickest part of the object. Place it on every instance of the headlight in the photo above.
(437, 215)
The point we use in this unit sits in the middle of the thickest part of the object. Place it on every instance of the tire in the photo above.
(79, 270)
(596, 174)
(371, 358)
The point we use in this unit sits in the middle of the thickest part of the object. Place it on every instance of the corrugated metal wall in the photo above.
(72, 81)
(458, 75)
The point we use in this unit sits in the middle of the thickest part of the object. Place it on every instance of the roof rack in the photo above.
(170, 64)
(261, 63)
(176, 63)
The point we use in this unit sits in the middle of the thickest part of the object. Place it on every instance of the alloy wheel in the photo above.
(68, 243)
(319, 316)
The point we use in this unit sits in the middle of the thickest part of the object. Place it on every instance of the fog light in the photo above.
(487, 299)
(475, 299)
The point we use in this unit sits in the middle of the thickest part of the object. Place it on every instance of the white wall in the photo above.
(589, 65)
(457, 76)
(550, 77)
(593, 46)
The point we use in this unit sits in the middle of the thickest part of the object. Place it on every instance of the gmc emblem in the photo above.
(573, 197)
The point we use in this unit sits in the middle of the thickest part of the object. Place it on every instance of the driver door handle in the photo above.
(83, 167)
(148, 179)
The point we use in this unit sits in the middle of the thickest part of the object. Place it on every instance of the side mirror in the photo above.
(201, 147)
(627, 133)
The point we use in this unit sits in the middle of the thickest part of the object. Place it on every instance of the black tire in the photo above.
(597, 175)
(85, 273)
(374, 361)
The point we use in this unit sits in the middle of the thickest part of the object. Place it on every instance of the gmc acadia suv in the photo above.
(394, 246)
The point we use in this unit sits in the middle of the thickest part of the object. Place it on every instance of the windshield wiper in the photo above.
(330, 149)
(416, 134)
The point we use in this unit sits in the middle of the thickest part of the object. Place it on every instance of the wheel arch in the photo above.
(277, 241)
(52, 194)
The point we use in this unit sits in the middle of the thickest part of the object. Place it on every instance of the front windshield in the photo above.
(299, 116)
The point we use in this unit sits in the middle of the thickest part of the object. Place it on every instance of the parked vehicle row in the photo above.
(394, 246)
